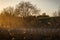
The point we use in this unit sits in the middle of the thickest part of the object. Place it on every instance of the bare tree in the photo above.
(55, 14)
(59, 11)
(25, 9)
(7, 11)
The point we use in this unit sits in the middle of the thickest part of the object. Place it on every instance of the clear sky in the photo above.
(48, 6)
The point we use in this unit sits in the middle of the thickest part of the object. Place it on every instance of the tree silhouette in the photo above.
(59, 11)
(25, 9)
(7, 11)
(55, 14)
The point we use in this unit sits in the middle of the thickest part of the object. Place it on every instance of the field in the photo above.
(30, 34)
(41, 28)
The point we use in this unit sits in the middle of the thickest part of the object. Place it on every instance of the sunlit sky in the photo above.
(48, 6)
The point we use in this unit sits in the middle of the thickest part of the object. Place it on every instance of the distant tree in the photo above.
(7, 11)
(25, 9)
(55, 14)
(44, 15)
(59, 11)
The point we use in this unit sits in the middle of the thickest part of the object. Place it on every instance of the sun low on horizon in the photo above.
(47, 6)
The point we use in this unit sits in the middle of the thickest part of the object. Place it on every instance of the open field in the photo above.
(30, 34)
(45, 28)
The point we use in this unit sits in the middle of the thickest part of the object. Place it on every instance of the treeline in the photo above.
(25, 15)
(23, 9)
